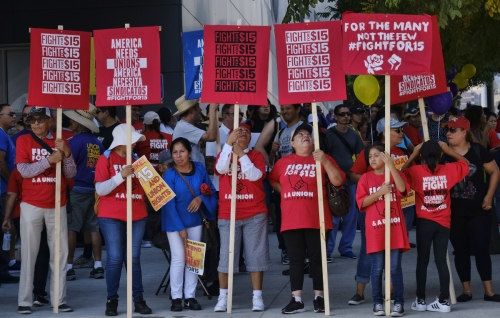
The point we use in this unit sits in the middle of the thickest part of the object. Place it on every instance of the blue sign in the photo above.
(192, 43)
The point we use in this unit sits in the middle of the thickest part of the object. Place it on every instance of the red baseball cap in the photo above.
(243, 125)
(458, 122)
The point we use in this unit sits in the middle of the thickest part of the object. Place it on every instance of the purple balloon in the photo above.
(440, 103)
(453, 88)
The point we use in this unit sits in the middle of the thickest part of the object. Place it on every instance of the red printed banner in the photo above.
(59, 69)
(386, 44)
(410, 87)
(127, 66)
(236, 63)
(309, 64)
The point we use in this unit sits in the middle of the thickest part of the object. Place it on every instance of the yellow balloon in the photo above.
(367, 89)
(468, 71)
(461, 81)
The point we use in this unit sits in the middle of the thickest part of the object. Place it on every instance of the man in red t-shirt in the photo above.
(36, 164)
(412, 117)
(136, 118)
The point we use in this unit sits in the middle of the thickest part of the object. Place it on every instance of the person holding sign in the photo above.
(36, 162)
(110, 175)
(432, 183)
(251, 214)
(370, 198)
(294, 176)
(182, 218)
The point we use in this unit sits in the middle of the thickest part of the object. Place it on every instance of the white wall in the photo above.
(196, 13)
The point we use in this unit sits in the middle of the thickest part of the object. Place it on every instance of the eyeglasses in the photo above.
(451, 130)
(11, 114)
(398, 130)
(25, 115)
(344, 114)
(40, 120)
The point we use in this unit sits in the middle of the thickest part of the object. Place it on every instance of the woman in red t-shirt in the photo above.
(294, 176)
(432, 183)
(156, 141)
(110, 175)
(370, 198)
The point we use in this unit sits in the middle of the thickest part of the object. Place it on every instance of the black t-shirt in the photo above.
(467, 195)
(105, 135)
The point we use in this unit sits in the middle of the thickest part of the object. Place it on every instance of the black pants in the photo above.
(298, 242)
(277, 213)
(472, 233)
(41, 266)
(432, 233)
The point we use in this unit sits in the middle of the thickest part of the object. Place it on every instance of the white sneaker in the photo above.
(258, 303)
(221, 304)
(440, 307)
(419, 305)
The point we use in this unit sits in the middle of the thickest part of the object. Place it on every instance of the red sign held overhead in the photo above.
(59, 69)
(386, 44)
(127, 66)
(410, 87)
(236, 63)
(309, 65)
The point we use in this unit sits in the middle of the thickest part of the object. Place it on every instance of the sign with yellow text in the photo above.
(195, 256)
(399, 162)
(156, 189)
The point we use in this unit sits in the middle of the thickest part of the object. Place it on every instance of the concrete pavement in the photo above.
(88, 296)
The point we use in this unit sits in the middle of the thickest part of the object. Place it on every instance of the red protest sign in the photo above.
(410, 87)
(309, 65)
(236, 63)
(59, 69)
(386, 44)
(127, 66)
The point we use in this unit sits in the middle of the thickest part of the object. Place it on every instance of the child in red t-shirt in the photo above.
(432, 183)
(370, 198)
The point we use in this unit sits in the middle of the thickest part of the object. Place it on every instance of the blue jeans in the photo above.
(409, 213)
(114, 232)
(364, 266)
(378, 262)
(349, 223)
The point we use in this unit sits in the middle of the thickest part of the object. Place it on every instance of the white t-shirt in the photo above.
(166, 129)
(193, 134)
(212, 150)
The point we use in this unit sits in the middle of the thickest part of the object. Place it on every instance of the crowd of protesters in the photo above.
(452, 180)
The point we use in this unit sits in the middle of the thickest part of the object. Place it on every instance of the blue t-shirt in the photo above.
(86, 149)
(9, 148)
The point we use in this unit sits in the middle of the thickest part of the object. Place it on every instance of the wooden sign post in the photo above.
(321, 211)
(387, 197)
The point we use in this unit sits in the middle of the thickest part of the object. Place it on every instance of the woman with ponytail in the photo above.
(432, 183)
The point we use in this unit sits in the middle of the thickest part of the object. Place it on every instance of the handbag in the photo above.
(338, 200)
(208, 231)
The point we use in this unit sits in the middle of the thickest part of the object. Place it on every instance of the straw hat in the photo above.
(184, 104)
(120, 136)
(84, 117)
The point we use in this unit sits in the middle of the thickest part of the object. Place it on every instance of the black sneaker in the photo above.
(65, 308)
(97, 273)
(9, 279)
(142, 308)
(24, 310)
(192, 304)
(356, 300)
(293, 307)
(285, 260)
(111, 307)
(319, 304)
(40, 301)
(70, 275)
(16, 267)
(176, 305)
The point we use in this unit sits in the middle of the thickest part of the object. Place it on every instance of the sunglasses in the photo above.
(398, 130)
(451, 130)
(40, 120)
(344, 114)
(11, 114)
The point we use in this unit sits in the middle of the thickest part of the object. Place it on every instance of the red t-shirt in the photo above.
(493, 137)
(299, 192)
(413, 134)
(137, 125)
(152, 146)
(250, 195)
(375, 213)
(433, 189)
(114, 204)
(15, 185)
(39, 190)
